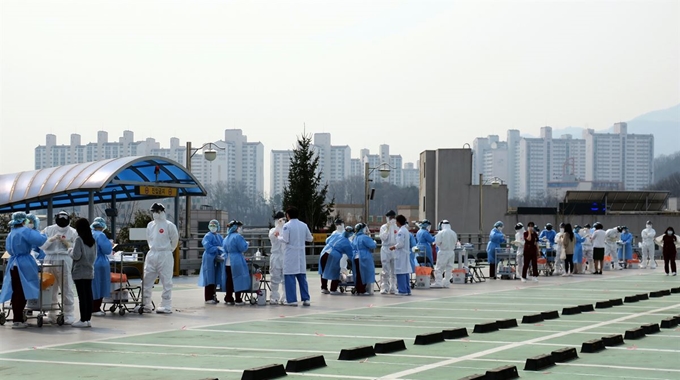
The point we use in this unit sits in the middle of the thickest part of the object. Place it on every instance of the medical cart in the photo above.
(506, 263)
(44, 302)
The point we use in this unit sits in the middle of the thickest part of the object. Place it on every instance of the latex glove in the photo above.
(53, 238)
(66, 243)
(219, 259)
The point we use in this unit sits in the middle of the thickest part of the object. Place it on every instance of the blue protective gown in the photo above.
(212, 271)
(550, 234)
(327, 248)
(365, 246)
(19, 244)
(496, 238)
(235, 246)
(101, 283)
(411, 255)
(578, 248)
(338, 246)
(627, 249)
(425, 240)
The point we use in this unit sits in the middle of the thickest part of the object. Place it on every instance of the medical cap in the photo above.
(18, 218)
(215, 222)
(99, 222)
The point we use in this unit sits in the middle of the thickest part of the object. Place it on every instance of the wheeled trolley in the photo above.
(506, 264)
(44, 302)
(257, 294)
(126, 295)
(546, 263)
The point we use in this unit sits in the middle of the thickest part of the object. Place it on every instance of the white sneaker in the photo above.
(306, 303)
(565, 275)
(393, 291)
(98, 314)
(162, 310)
(212, 302)
(383, 291)
(675, 274)
(19, 325)
(70, 321)
(146, 310)
(335, 293)
(325, 291)
(523, 279)
(81, 324)
(294, 304)
(239, 303)
(535, 279)
(435, 285)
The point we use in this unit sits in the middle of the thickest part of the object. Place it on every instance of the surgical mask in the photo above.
(500, 229)
(561, 230)
(61, 222)
(212, 229)
(669, 232)
(649, 226)
(393, 221)
(340, 227)
(30, 225)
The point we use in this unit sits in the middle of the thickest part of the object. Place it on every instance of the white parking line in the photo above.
(481, 354)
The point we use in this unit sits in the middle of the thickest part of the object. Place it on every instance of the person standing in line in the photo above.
(21, 281)
(388, 236)
(496, 238)
(84, 254)
(295, 233)
(238, 277)
(276, 260)
(578, 250)
(587, 245)
(559, 263)
(611, 237)
(598, 239)
(162, 238)
(669, 241)
(626, 246)
(325, 254)
(445, 240)
(101, 283)
(568, 242)
(530, 252)
(402, 257)
(60, 238)
(648, 235)
(425, 240)
(212, 263)
(364, 266)
(519, 243)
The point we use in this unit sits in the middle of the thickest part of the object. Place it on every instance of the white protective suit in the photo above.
(612, 236)
(402, 252)
(648, 235)
(559, 265)
(587, 246)
(162, 237)
(446, 240)
(276, 263)
(60, 241)
(295, 233)
(519, 244)
(388, 238)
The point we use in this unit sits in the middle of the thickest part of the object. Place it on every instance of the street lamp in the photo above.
(209, 154)
(495, 182)
(384, 170)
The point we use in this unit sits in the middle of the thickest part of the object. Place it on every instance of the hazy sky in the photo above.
(415, 75)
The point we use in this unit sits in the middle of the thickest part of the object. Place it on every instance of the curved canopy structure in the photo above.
(117, 178)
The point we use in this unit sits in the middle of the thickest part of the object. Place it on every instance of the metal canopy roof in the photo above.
(621, 200)
(70, 185)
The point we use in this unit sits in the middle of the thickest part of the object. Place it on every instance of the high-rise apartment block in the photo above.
(336, 164)
(237, 159)
(529, 166)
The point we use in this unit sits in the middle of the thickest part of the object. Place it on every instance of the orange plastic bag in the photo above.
(542, 261)
(47, 280)
(423, 271)
(118, 278)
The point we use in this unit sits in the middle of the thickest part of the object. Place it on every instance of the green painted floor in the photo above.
(224, 350)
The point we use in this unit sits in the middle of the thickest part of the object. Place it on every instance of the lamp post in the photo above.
(384, 169)
(209, 154)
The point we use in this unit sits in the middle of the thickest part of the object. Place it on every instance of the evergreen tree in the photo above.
(304, 190)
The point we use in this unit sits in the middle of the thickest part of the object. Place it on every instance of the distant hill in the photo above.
(663, 124)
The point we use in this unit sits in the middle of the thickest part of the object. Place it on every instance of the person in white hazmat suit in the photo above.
(446, 241)
(612, 236)
(559, 265)
(276, 260)
(60, 239)
(648, 235)
(388, 236)
(519, 243)
(587, 245)
(162, 237)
